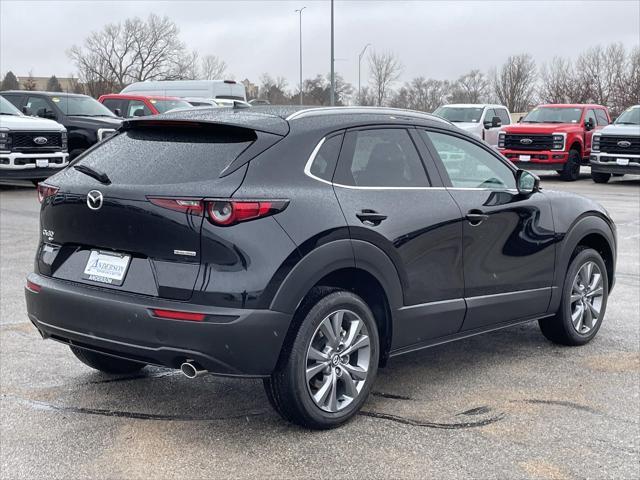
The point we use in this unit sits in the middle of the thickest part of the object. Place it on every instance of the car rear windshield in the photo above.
(165, 105)
(553, 115)
(168, 155)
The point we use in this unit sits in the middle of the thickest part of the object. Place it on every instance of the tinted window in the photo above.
(602, 117)
(112, 104)
(154, 156)
(489, 114)
(504, 116)
(38, 106)
(81, 106)
(16, 100)
(469, 165)
(137, 109)
(380, 158)
(324, 163)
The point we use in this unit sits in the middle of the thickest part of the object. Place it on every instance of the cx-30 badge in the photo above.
(94, 199)
(526, 141)
(40, 140)
(624, 144)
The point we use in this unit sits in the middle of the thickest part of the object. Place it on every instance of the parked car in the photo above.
(615, 150)
(30, 148)
(554, 137)
(259, 101)
(482, 120)
(128, 106)
(306, 247)
(86, 120)
(214, 89)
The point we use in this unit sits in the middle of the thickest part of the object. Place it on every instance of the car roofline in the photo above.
(365, 110)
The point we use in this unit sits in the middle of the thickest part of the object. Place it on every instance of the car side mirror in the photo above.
(589, 124)
(26, 110)
(117, 112)
(496, 122)
(527, 183)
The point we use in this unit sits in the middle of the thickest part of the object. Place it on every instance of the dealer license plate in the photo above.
(42, 163)
(106, 267)
(622, 161)
(525, 158)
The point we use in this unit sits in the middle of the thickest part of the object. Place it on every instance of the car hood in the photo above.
(542, 128)
(632, 130)
(25, 123)
(93, 122)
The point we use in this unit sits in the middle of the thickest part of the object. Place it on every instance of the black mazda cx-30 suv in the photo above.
(306, 247)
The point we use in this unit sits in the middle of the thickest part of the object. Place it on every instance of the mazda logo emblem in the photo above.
(40, 140)
(526, 141)
(94, 200)
(624, 143)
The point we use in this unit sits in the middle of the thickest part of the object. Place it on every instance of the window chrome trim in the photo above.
(314, 153)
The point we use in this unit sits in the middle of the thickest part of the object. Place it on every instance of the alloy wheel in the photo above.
(587, 294)
(337, 361)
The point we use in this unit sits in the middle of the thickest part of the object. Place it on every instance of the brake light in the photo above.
(34, 287)
(186, 205)
(45, 191)
(229, 212)
(178, 315)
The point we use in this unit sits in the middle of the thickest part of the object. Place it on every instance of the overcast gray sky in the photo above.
(434, 39)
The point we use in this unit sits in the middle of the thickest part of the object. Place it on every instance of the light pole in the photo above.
(299, 12)
(332, 96)
(359, 62)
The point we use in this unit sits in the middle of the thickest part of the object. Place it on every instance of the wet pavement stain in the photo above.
(560, 403)
(391, 396)
(443, 426)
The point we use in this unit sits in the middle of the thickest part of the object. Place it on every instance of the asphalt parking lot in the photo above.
(503, 405)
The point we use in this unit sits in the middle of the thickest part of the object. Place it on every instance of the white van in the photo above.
(212, 89)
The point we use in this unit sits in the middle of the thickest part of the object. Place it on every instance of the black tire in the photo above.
(600, 177)
(571, 169)
(106, 363)
(560, 328)
(287, 388)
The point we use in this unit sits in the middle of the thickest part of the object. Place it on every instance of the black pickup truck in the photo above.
(87, 121)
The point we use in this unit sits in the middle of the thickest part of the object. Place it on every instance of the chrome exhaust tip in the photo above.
(191, 370)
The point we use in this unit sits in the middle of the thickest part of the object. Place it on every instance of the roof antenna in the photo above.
(240, 105)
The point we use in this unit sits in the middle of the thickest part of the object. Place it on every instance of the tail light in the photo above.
(45, 191)
(33, 287)
(178, 315)
(223, 212)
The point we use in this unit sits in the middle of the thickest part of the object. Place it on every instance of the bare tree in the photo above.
(274, 90)
(627, 86)
(472, 87)
(423, 94)
(514, 82)
(213, 68)
(385, 69)
(29, 83)
(558, 83)
(367, 97)
(135, 50)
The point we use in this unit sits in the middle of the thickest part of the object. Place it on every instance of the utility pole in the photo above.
(333, 76)
(299, 12)
(359, 62)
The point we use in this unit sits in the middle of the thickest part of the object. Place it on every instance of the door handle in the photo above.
(371, 217)
(476, 217)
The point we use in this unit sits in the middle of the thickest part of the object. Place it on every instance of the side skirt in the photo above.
(462, 335)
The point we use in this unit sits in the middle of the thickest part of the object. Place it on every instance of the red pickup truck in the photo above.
(128, 106)
(554, 137)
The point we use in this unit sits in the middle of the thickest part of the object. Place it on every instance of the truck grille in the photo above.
(538, 142)
(610, 145)
(25, 141)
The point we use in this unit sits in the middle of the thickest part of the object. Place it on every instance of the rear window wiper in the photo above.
(100, 176)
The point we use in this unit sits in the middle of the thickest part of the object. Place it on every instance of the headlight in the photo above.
(501, 137)
(63, 140)
(558, 141)
(5, 140)
(595, 143)
(104, 133)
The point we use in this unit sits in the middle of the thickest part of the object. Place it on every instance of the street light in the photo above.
(332, 96)
(299, 12)
(359, 62)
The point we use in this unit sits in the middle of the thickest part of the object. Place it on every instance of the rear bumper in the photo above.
(231, 342)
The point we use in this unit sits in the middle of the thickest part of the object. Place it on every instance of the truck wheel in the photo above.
(329, 365)
(583, 303)
(600, 177)
(105, 363)
(571, 170)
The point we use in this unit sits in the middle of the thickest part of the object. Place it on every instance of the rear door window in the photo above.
(384, 157)
(168, 155)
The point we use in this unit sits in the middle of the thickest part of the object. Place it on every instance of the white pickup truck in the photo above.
(483, 120)
(615, 150)
(30, 148)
